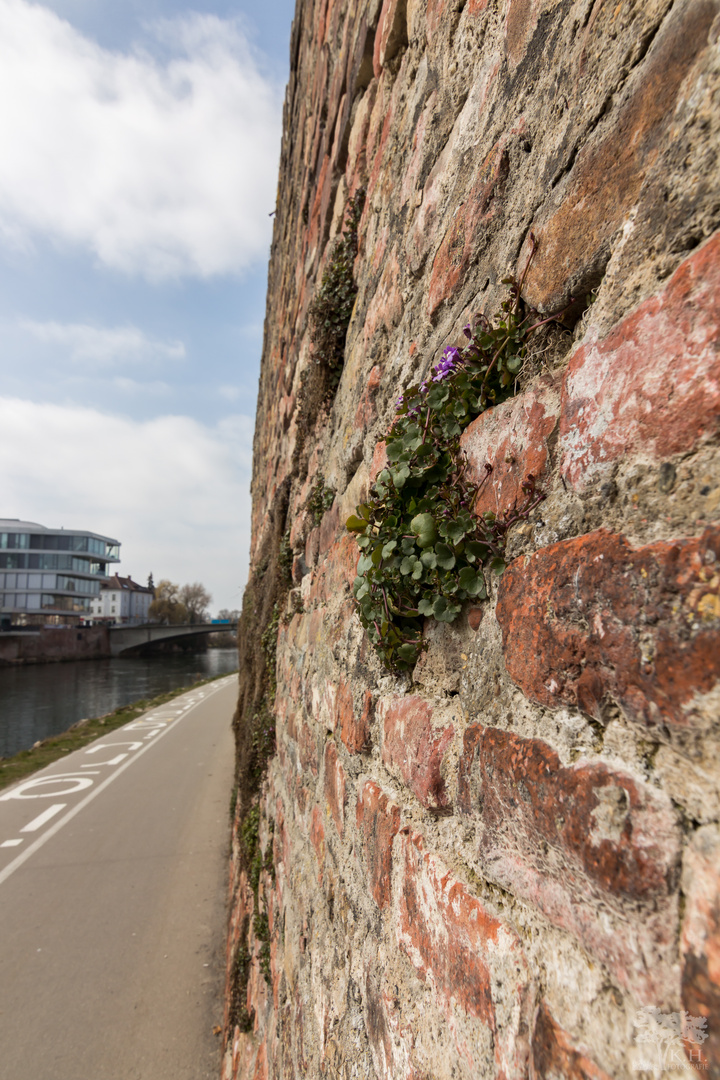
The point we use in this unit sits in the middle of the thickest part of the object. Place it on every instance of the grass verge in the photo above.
(52, 749)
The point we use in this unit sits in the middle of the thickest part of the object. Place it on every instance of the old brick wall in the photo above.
(497, 867)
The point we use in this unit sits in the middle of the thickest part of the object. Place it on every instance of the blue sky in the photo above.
(139, 169)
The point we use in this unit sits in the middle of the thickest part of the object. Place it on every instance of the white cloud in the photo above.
(160, 167)
(174, 492)
(104, 345)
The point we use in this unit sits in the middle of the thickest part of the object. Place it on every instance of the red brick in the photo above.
(317, 838)
(299, 730)
(336, 572)
(573, 839)
(513, 438)
(652, 387)
(335, 786)
(460, 243)
(571, 617)
(464, 952)
(355, 731)
(366, 410)
(417, 157)
(386, 306)
(553, 1054)
(391, 33)
(700, 944)
(378, 819)
(414, 748)
(605, 181)
(379, 461)
(330, 528)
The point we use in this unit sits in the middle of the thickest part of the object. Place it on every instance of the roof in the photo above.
(127, 583)
(18, 525)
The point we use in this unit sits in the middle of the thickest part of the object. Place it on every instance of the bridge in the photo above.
(124, 638)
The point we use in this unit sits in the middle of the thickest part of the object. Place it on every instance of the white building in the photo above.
(50, 576)
(122, 600)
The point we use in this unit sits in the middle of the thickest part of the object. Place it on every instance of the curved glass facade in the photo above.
(49, 576)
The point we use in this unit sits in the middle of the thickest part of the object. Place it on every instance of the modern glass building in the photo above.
(50, 576)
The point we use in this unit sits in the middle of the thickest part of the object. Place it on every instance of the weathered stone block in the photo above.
(378, 820)
(471, 959)
(608, 173)
(513, 438)
(317, 838)
(554, 1055)
(414, 748)
(572, 839)
(652, 386)
(700, 944)
(334, 784)
(592, 616)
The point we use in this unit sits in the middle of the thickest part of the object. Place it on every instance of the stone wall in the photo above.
(48, 644)
(501, 866)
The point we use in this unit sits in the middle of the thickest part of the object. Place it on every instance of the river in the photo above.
(39, 700)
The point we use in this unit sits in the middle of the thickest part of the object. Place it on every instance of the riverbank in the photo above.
(82, 733)
(50, 645)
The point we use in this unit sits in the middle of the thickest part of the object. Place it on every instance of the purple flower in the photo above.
(467, 331)
(398, 403)
(446, 366)
(423, 387)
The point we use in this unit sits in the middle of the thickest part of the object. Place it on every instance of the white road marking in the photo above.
(113, 761)
(42, 819)
(104, 746)
(37, 844)
(80, 782)
(11, 843)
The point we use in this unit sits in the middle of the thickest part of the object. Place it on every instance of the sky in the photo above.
(140, 148)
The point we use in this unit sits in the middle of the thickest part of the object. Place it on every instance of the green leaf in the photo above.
(408, 564)
(425, 607)
(394, 449)
(389, 548)
(423, 526)
(429, 559)
(438, 395)
(440, 607)
(408, 653)
(455, 531)
(471, 581)
(364, 564)
(445, 556)
(498, 565)
(355, 524)
(400, 475)
(513, 364)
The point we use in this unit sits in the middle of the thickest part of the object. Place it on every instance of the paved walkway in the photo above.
(113, 867)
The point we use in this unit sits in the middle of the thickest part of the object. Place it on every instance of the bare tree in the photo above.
(196, 600)
(167, 607)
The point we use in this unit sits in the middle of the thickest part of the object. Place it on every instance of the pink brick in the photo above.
(576, 839)
(513, 438)
(414, 748)
(334, 786)
(700, 944)
(378, 820)
(652, 387)
(473, 961)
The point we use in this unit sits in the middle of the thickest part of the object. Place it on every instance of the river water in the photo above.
(39, 700)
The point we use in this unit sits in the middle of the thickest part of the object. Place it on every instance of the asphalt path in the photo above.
(113, 872)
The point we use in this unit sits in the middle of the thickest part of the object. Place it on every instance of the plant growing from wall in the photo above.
(423, 550)
(332, 307)
(329, 316)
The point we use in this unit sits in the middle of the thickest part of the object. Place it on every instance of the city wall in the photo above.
(506, 863)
